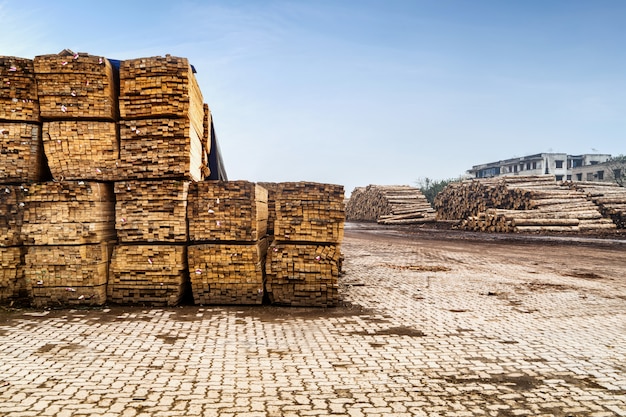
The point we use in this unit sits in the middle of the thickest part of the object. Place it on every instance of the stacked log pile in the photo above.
(78, 103)
(392, 204)
(11, 251)
(151, 224)
(163, 120)
(12, 282)
(227, 229)
(519, 204)
(609, 197)
(21, 148)
(303, 262)
(67, 229)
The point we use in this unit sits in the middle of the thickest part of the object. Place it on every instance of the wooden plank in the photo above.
(68, 275)
(154, 275)
(18, 90)
(227, 211)
(303, 274)
(71, 86)
(151, 211)
(81, 149)
(21, 153)
(227, 273)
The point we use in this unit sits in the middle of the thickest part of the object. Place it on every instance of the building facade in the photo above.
(561, 165)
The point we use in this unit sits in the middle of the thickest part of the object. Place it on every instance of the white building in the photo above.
(560, 165)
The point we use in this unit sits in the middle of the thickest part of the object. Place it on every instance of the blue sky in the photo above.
(368, 92)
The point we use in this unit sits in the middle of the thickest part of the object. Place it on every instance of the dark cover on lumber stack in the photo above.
(21, 153)
(81, 149)
(12, 283)
(76, 85)
(227, 211)
(303, 274)
(389, 204)
(160, 148)
(227, 273)
(67, 275)
(151, 211)
(11, 216)
(154, 275)
(67, 213)
(309, 212)
(18, 90)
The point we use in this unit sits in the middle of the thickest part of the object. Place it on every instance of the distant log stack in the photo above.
(392, 204)
(163, 120)
(67, 227)
(21, 148)
(303, 262)
(227, 228)
(609, 197)
(519, 204)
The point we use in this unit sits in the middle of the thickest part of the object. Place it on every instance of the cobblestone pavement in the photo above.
(429, 328)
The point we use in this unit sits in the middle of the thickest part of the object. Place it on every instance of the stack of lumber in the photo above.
(12, 283)
(392, 204)
(150, 265)
(67, 213)
(18, 90)
(81, 149)
(303, 262)
(67, 227)
(163, 120)
(21, 150)
(609, 197)
(227, 228)
(519, 204)
(78, 102)
(67, 275)
(150, 274)
(271, 188)
(75, 85)
(151, 211)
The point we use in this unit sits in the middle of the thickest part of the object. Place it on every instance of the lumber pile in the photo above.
(81, 149)
(11, 216)
(67, 213)
(67, 275)
(609, 197)
(151, 211)
(150, 274)
(227, 273)
(392, 204)
(12, 283)
(227, 228)
(76, 86)
(303, 262)
(18, 90)
(271, 188)
(163, 120)
(519, 204)
(227, 211)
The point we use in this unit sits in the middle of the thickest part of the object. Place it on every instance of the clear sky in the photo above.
(359, 92)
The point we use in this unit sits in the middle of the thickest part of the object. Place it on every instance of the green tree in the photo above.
(430, 188)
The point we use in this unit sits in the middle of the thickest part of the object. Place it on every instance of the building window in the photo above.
(559, 177)
(600, 175)
(579, 177)
(569, 177)
(535, 165)
(617, 174)
(558, 163)
(514, 168)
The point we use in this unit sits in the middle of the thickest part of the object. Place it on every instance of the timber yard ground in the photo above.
(431, 323)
